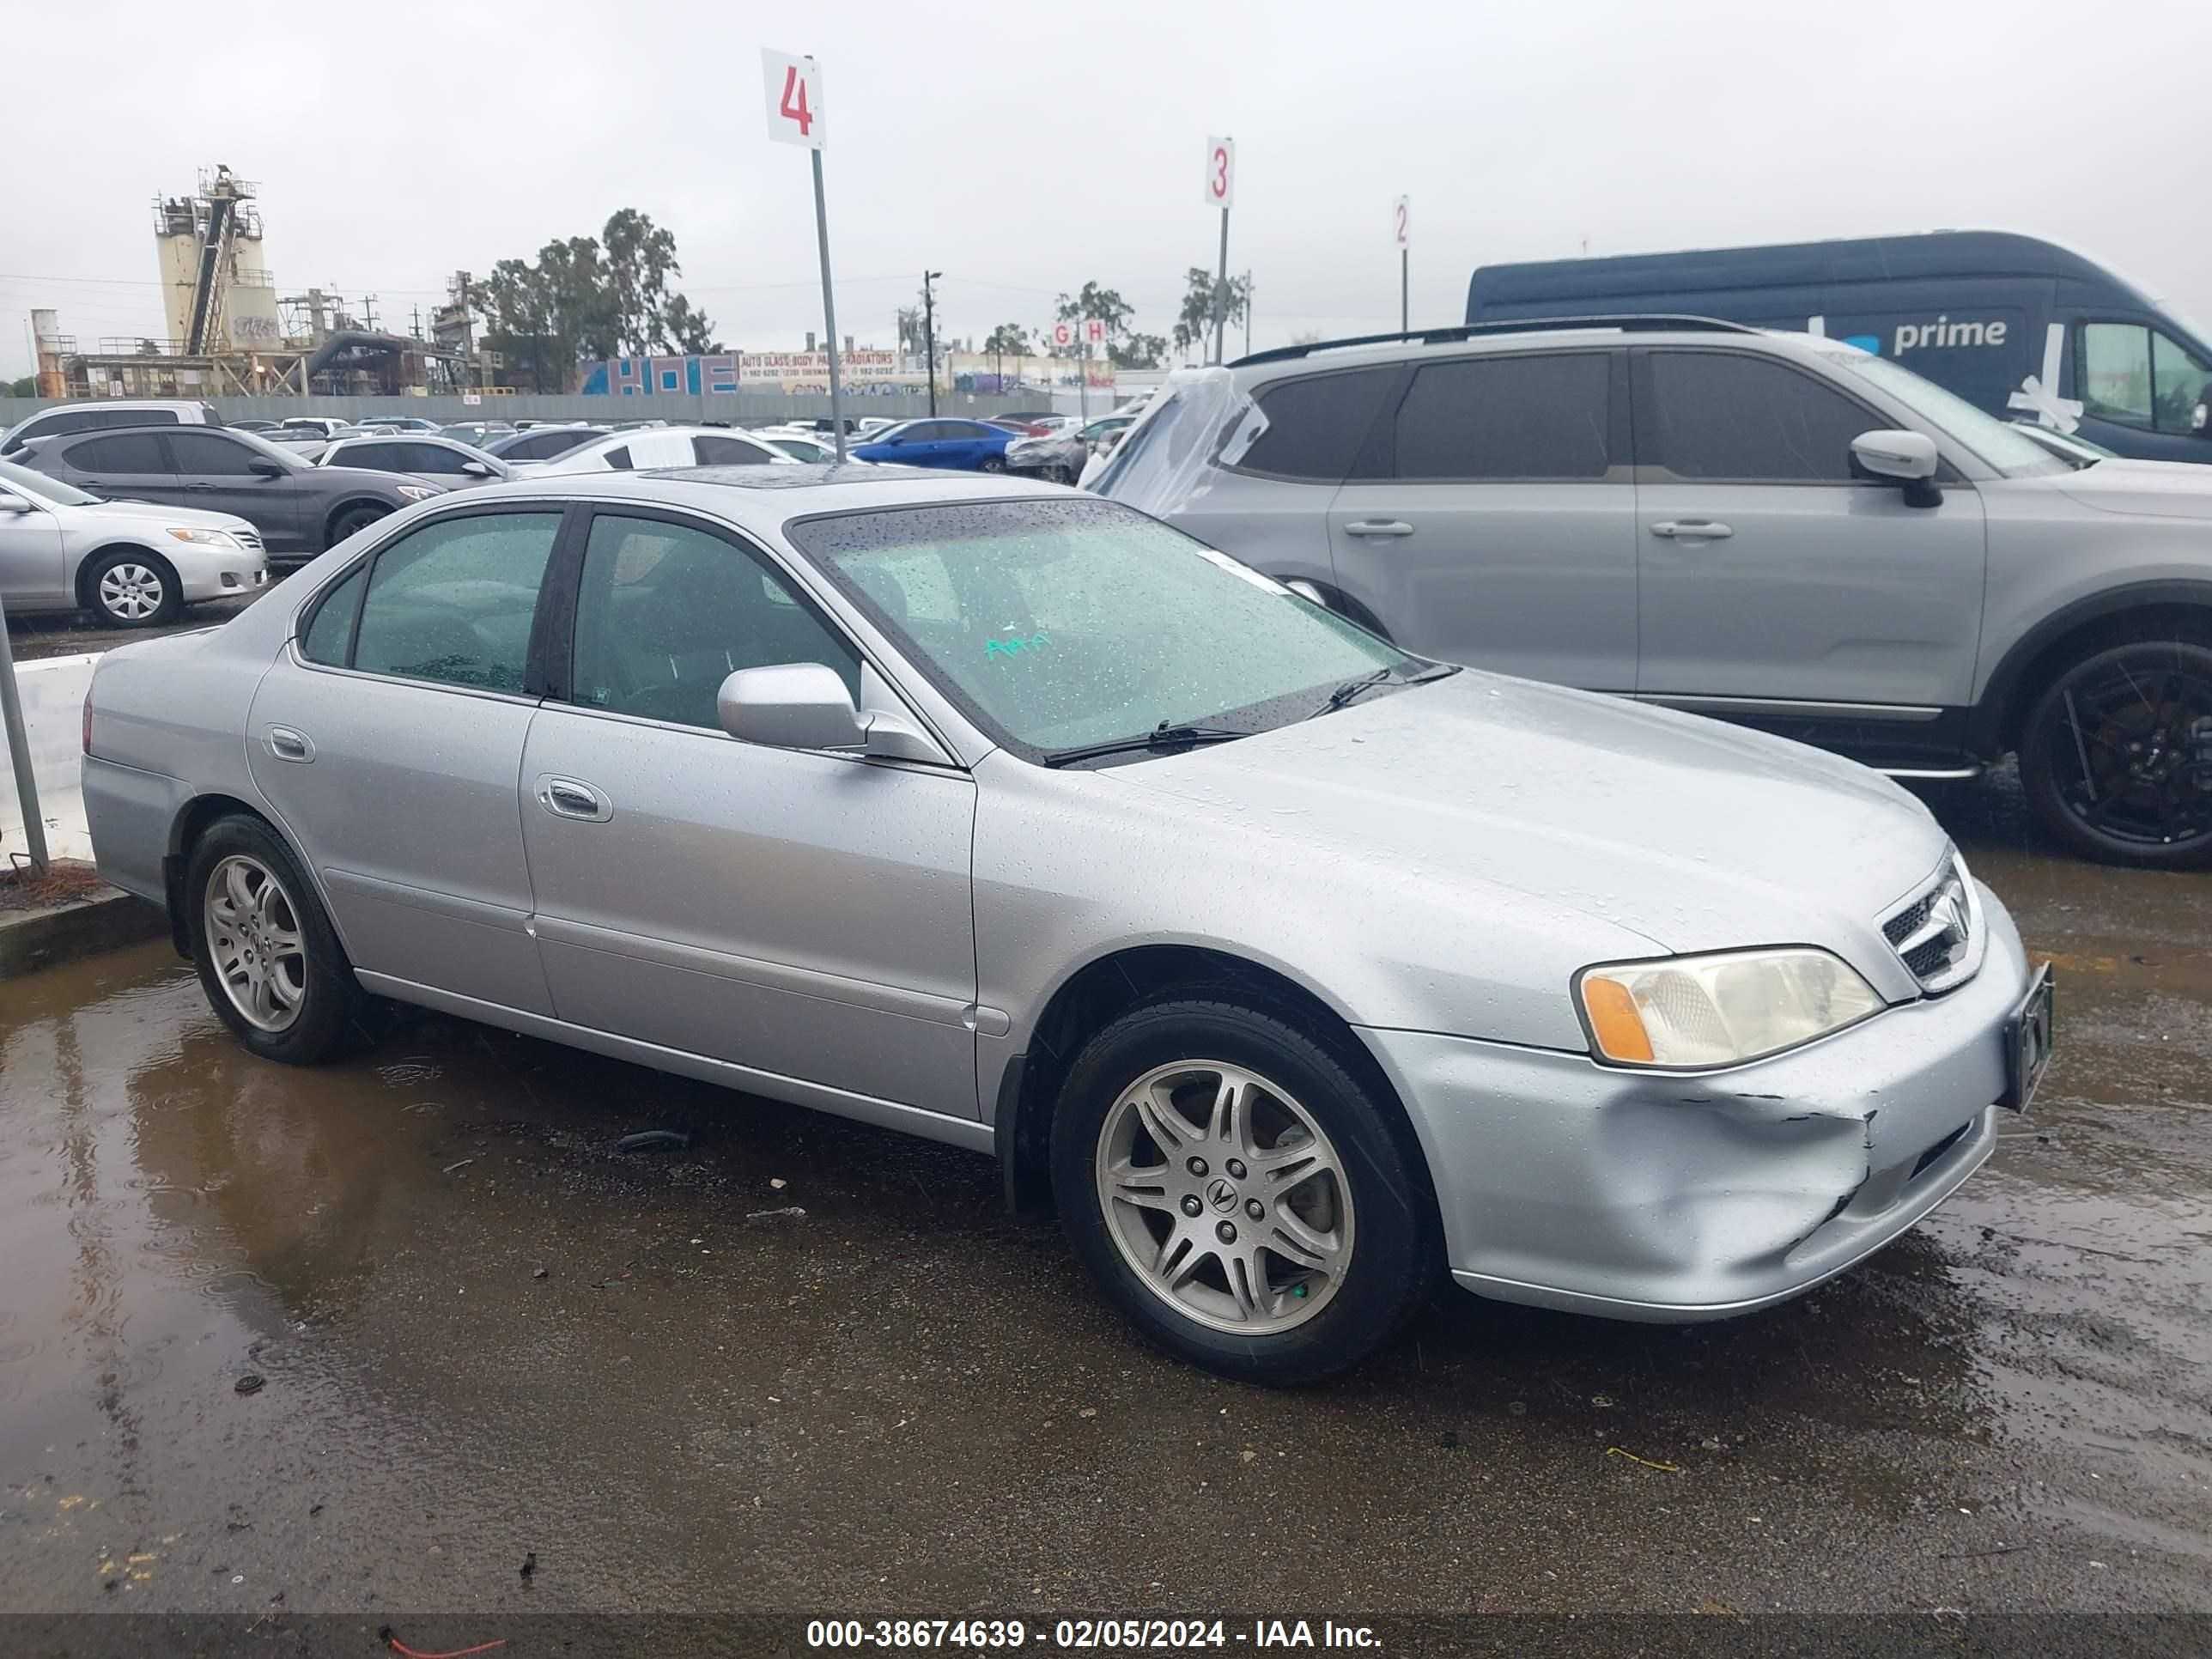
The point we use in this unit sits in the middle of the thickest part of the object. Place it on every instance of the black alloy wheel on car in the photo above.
(2116, 755)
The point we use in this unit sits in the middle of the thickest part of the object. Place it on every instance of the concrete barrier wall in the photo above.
(53, 720)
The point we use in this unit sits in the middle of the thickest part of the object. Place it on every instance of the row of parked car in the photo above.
(131, 510)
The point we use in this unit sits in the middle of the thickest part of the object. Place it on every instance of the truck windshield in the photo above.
(2012, 452)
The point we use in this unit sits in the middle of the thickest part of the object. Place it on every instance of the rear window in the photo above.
(127, 452)
(1316, 425)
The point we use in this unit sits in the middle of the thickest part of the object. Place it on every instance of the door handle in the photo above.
(289, 745)
(1691, 529)
(1378, 527)
(200, 486)
(568, 798)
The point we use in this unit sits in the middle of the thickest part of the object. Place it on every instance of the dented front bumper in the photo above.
(1670, 1197)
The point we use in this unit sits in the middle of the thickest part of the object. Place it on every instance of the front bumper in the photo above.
(217, 574)
(1677, 1197)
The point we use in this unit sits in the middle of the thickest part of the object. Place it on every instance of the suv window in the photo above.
(389, 457)
(1316, 425)
(1730, 415)
(1544, 415)
(204, 454)
(453, 601)
(128, 452)
(668, 611)
(726, 452)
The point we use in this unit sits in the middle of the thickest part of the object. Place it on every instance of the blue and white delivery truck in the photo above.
(2027, 330)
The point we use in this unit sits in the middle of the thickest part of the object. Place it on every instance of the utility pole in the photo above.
(929, 335)
(368, 313)
(1248, 314)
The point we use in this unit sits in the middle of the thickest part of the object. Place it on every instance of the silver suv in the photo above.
(1771, 528)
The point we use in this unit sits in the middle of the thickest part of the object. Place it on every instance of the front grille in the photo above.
(250, 540)
(1933, 934)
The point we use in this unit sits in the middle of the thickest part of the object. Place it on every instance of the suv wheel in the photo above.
(2117, 755)
(353, 520)
(1238, 1193)
(132, 588)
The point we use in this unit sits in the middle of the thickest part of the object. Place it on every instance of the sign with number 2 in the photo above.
(794, 86)
(1220, 171)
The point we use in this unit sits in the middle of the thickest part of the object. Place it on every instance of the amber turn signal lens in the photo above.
(1615, 1022)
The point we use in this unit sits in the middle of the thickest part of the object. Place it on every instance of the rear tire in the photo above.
(2115, 755)
(133, 588)
(1279, 1242)
(269, 960)
(992, 464)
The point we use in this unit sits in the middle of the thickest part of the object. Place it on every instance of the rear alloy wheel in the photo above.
(1239, 1192)
(268, 958)
(2117, 755)
(134, 590)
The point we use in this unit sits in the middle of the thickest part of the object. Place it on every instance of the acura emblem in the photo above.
(1222, 1196)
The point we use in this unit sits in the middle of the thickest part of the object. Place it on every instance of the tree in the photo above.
(1008, 339)
(1194, 325)
(1137, 351)
(586, 298)
(26, 387)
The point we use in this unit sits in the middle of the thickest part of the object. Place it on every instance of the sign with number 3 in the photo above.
(1220, 171)
(794, 86)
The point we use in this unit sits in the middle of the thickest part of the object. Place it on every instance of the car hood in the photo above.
(195, 518)
(1695, 835)
(2158, 489)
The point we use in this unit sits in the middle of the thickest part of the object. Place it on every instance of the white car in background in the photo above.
(805, 445)
(127, 564)
(642, 449)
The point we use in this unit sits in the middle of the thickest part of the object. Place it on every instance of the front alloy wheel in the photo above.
(1225, 1197)
(255, 943)
(2117, 757)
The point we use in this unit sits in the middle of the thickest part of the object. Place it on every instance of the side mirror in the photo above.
(475, 469)
(262, 467)
(11, 502)
(793, 705)
(1907, 458)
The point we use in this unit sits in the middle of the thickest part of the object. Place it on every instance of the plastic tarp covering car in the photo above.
(1162, 465)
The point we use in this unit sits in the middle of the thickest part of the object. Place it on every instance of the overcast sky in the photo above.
(1023, 148)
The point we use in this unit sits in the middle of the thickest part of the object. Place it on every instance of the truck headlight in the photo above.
(200, 537)
(1719, 1010)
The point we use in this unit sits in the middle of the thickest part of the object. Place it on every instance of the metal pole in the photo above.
(1221, 288)
(1405, 289)
(1248, 314)
(1083, 383)
(929, 340)
(829, 313)
(19, 749)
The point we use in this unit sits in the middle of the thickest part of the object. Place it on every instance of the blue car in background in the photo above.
(964, 446)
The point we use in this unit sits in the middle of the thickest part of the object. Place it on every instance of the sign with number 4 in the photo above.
(1220, 171)
(794, 99)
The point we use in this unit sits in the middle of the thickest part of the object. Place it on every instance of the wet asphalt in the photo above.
(66, 634)
(805, 1364)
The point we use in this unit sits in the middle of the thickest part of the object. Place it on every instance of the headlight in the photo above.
(205, 537)
(1719, 1010)
(419, 492)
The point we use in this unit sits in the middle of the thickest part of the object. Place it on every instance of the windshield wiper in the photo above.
(1165, 735)
(1351, 688)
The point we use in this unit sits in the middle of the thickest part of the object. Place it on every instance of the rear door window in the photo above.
(1539, 416)
(1733, 415)
(453, 601)
(208, 454)
(126, 452)
(1317, 424)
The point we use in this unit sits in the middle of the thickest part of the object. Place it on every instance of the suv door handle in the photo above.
(1378, 527)
(568, 798)
(1691, 529)
(289, 745)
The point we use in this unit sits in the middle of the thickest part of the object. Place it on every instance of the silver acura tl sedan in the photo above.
(1289, 968)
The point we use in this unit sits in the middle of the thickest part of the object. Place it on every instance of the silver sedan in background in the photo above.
(130, 564)
(1291, 969)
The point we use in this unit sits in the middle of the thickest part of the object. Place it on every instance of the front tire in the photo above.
(2116, 755)
(269, 960)
(1239, 1192)
(132, 588)
(353, 521)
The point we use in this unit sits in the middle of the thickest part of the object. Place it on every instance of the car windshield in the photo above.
(2004, 446)
(288, 459)
(1060, 625)
(47, 490)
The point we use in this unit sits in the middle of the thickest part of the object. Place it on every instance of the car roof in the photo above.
(765, 497)
(1603, 331)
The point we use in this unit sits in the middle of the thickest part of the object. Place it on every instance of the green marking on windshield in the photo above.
(1015, 644)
